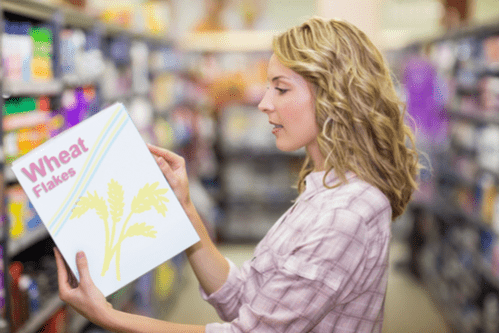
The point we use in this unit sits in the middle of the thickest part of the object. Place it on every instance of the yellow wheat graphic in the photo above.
(147, 198)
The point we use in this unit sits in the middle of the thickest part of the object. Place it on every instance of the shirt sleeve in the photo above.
(227, 300)
(293, 292)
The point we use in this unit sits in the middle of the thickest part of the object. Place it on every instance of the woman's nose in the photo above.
(266, 104)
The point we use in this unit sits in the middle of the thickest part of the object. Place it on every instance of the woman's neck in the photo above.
(316, 156)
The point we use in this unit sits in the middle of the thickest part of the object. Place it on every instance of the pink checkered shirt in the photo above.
(321, 268)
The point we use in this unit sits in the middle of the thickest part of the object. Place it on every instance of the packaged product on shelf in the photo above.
(29, 288)
(15, 203)
(82, 61)
(142, 114)
(464, 134)
(57, 323)
(17, 51)
(116, 82)
(494, 257)
(163, 92)
(78, 104)
(139, 54)
(2, 283)
(119, 50)
(165, 60)
(119, 15)
(41, 65)
(490, 313)
(27, 52)
(20, 211)
(164, 133)
(71, 41)
(165, 276)
(488, 190)
(156, 17)
(489, 253)
(487, 147)
(466, 167)
(490, 51)
(27, 123)
(244, 128)
(489, 96)
(19, 301)
(165, 288)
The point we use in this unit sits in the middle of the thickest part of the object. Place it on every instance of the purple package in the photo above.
(425, 97)
(75, 106)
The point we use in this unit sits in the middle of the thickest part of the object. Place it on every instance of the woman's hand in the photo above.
(173, 167)
(85, 298)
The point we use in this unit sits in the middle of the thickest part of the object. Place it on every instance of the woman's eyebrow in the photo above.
(279, 77)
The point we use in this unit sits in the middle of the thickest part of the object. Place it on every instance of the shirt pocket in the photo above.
(313, 272)
(264, 263)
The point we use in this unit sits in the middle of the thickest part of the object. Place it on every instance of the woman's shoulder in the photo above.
(356, 196)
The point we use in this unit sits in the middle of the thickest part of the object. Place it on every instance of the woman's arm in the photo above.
(209, 265)
(92, 304)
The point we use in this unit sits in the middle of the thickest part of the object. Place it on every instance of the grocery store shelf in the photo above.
(31, 237)
(446, 209)
(483, 29)
(25, 120)
(72, 17)
(22, 88)
(9, 175)
(228, 41)
(78, 323)
(477, 117)
(35, 322)
(32, 9)
(75, 81)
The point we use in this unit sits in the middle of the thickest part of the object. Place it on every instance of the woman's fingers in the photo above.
(169, 156)
(164, 166)
(173, 168)
(83, 268)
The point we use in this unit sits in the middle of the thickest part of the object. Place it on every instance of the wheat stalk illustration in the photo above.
(147, 198)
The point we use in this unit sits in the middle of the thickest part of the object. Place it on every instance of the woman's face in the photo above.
(290, 105)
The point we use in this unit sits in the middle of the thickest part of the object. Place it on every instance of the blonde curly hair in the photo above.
(360, 116)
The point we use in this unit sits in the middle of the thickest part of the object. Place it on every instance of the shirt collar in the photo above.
(314, 182)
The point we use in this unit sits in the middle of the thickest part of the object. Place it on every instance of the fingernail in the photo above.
(80, 255)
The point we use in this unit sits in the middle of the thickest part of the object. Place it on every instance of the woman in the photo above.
(323, 266)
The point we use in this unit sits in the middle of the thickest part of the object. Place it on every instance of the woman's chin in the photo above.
(286, 148)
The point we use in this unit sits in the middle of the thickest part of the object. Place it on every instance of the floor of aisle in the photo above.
(408, 306)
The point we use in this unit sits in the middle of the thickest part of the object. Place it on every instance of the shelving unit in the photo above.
(253, 181)
(454, 243)
(35, 240)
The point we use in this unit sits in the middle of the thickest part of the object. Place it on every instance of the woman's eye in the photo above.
(281, 91)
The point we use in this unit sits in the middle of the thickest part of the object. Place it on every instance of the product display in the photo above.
(21, 213)
(81, 58)
(27, 122)
(29, 52)
(58, 70)
(455, 239)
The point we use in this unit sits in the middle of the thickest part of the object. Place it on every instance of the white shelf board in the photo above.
(16, 246)
(228, 41)
(17, 88)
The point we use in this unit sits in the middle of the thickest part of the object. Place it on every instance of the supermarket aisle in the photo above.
(408, 306)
